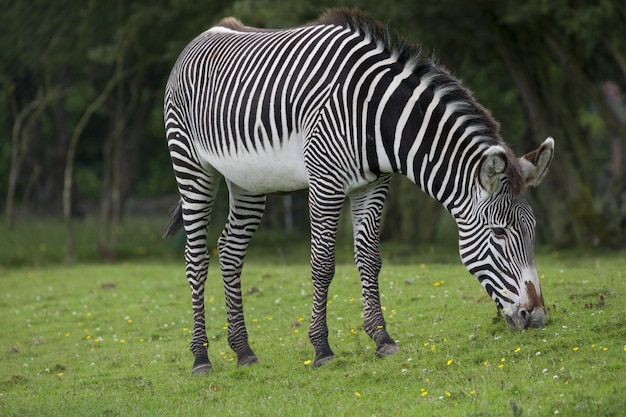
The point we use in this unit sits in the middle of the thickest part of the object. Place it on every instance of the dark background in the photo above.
(81, 87)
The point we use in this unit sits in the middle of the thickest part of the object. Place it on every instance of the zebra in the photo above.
(337, 107)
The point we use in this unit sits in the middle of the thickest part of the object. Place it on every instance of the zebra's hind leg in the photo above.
(245, 213)
(197, 206)
(366, 205)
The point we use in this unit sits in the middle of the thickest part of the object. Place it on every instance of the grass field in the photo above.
(112, 340)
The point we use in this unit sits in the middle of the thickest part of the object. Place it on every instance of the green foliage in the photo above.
(41, 242)
(537, 66)
(113, 340)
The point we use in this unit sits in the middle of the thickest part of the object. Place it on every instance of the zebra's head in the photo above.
(496, 238)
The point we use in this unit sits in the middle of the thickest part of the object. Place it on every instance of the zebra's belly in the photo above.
(266, 170)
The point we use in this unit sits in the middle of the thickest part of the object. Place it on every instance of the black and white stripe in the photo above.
(336, 106)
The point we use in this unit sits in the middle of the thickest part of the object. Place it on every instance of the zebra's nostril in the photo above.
(524, 316)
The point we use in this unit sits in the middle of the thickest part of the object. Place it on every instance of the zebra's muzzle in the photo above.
(523, 318)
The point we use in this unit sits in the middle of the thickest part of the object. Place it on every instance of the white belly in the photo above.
(269, 170)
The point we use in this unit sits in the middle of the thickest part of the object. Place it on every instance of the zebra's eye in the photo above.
(498, 232)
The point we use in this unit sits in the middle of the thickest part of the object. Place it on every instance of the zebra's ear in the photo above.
(535, 164)
(492, 166)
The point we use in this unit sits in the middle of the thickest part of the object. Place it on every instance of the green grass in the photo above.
(112, 340)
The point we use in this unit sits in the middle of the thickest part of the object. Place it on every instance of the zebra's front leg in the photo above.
(245, 213)
(324, 213)
(366, 205)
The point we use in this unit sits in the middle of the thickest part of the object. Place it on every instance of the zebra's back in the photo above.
(251, 98)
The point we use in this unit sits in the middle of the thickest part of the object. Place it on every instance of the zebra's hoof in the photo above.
(247, 360)
(205, 368)
(323, 360)
(387, 350)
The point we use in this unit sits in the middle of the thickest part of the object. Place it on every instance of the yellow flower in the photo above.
(67, 334)
(122, 341)
(473, 392)
(353, 331)
(307, 362)
(575, 348)
(518, 350)
(357, 394)
(436, 284)
(448, 393)
(129, 321)
(60, 374)
(424, 392)
(185, 329)
(500, 366)
(449, 362)
(502, 360)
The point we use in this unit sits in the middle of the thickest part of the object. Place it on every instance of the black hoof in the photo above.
(386, 350)
(246, 357)
(323, 357)
(247, 360)
(321, 361)
(201, 365)
(205, 368)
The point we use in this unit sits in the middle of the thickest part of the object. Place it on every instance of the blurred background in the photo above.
(84, 168)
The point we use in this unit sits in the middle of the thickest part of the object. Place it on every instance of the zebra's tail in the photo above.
(176, 221)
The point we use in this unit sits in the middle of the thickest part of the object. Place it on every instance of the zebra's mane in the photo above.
(357, 20)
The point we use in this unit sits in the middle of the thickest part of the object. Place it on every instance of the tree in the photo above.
(81, 85)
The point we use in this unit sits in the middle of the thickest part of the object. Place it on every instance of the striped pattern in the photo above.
(335, 107)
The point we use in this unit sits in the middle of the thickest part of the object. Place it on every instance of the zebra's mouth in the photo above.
(523, 318)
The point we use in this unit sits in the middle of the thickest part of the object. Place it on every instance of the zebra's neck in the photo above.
(429, 128)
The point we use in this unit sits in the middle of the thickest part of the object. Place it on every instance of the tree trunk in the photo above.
(68, 174)
(20, 140)
(120, 159)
